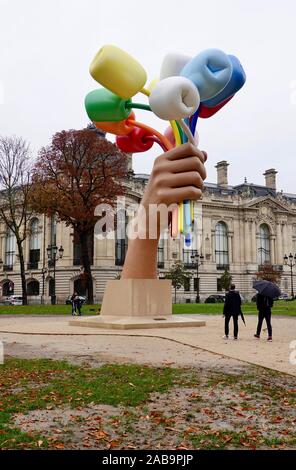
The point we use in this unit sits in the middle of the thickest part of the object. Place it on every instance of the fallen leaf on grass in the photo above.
(59, 446)
(100, 434)
(276, 419)
(182, 447)
(114, 443)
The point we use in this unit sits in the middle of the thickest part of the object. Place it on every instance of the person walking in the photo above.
(232, 308)
(78, 304)
(74, 303)
(264, 306)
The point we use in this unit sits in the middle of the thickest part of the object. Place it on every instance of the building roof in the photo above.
(255, 190)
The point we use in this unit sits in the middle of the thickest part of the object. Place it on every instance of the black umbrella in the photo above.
(267, 288)
(242, 316)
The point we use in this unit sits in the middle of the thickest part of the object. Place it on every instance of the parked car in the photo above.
(13, 300)
(215, 298)
(81, 297)
(283, 297)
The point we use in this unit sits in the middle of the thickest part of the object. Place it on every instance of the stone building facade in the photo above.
(239, 227)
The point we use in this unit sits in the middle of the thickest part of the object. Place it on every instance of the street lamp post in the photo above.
(53, 254)
(198, 260)
(43, 272)
(290, 261)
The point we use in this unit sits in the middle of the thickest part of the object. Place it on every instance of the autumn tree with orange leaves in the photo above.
(79, 170)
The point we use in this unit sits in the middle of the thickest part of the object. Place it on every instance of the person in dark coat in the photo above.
(76, 304)
(264, 306)
(232, 308)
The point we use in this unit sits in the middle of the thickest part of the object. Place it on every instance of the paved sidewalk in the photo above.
(53, 337)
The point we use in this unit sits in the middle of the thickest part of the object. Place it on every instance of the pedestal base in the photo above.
(125, 323)
(137, 298)
(137, 304)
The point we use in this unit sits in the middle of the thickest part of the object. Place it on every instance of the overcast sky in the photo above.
(46, 47)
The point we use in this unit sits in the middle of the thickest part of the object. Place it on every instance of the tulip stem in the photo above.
(167, 144)
(145, 91)
(186, 131)
(138, 106)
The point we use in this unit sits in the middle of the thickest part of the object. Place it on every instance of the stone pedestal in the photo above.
(137, 303)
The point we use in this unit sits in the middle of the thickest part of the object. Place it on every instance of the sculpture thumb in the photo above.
(210, 71)
(172, 65)
(174, 98)
(117, 71)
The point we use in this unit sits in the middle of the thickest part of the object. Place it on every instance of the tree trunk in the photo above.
(175, 295)
(23, 272)
(84, 238)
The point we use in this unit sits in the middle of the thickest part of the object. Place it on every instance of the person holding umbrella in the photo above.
(267, 291)
(232, 308)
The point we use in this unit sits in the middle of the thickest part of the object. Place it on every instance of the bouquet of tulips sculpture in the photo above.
(187, 88)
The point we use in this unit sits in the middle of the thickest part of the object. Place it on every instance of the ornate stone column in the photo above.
(247, 256)
(214, 246)
(272, 249)
(285, 239)
(254, 242)
(279, 244)
(230, 251)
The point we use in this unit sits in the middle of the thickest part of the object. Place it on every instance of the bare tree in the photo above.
(73, 175)
(15, 188)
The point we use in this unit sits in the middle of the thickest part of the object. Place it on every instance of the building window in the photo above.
(121, 240)
(221, 252)
(219, 285)
(187, 260)
(9, 251)
(264, 245)
(33, 287)
(7, 288)
(187, 285)
(160, 253)
(34, 244)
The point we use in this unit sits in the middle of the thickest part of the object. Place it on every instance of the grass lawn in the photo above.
(45, 309)
(281, 307)
(46, 404)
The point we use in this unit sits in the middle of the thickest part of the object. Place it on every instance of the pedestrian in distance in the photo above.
(78, 304)
(264, 306)
(74, 303)
(232, 308)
